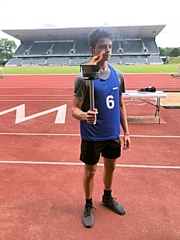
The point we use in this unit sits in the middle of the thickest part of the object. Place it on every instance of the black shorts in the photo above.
(91, 151)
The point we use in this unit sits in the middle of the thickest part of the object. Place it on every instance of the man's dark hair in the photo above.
(96, 34)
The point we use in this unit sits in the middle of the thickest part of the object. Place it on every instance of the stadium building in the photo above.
(69, 46)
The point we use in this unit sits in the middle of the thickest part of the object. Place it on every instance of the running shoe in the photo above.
(88, 218)
(113, 205)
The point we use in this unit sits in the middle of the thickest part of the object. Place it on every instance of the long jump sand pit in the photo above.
(172, 100)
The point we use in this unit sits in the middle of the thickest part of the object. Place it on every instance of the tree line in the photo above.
(7, 48)
(169, 52)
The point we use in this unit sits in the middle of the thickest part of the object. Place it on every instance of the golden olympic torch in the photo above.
(90, 71)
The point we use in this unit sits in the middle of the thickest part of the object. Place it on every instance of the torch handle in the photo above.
(91, 94)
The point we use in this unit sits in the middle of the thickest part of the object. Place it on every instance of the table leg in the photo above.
(157, 113)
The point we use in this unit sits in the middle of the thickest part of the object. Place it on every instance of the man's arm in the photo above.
(76, 109)
(77, 113)
(124, 123)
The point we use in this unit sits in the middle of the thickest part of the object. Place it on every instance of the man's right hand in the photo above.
(91, 116)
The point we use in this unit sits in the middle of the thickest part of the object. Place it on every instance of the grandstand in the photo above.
(69, 46)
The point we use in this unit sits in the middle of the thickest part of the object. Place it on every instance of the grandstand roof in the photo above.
(53, 34)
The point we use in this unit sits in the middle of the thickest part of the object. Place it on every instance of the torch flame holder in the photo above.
(90, 72)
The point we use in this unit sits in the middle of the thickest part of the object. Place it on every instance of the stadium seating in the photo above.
(62, 48)
(57, 61)
(39, 48)
(133, 60)
(77, 61)
(155, 60)
(75, 52)
(23, 48)
(132, 46)
(150, 45)
(14, 62)
(116, 47)
(114, 60)
(32, 62)
(81, 47)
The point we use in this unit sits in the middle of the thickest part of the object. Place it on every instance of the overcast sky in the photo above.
(32, 14)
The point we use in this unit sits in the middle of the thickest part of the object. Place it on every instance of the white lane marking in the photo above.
(20, 113)
(82, 164)
(77, 135)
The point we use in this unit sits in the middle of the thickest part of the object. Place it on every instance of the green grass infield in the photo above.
(166, 68)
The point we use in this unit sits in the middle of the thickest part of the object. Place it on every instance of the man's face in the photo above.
(105, 45)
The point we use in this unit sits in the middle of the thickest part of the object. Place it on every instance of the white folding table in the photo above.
(144, 96)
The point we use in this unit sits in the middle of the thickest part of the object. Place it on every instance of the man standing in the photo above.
(100, 128)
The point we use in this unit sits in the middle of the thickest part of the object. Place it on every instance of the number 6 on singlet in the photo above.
(110, 102)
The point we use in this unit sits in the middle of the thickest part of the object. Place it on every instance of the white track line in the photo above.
(82, 164)
(38, 100)
(78, 135)
(35, 95)
(42, 134)
(58, 87)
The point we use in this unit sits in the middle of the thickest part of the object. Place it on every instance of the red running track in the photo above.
(41, 176)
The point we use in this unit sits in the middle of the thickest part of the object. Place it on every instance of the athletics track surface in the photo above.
(41, 176)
